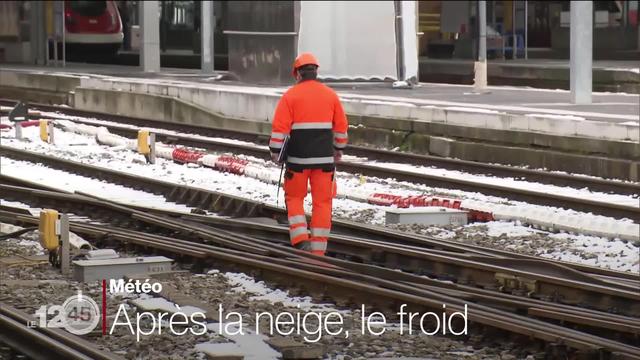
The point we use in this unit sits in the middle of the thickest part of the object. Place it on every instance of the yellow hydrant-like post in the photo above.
(147, 145)
(143, 142)
(47, 228)
(44, 130)
(54, 237)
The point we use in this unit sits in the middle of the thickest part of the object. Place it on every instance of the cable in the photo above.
(17, 233)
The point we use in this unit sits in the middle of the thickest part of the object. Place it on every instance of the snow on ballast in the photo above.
(478, 211)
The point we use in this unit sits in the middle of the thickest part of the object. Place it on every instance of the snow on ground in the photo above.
(99, 122)
(150, 303)
(244, 283)
(512, 236)
(250, 345)
(16, 204)
(70, 182)
(512, 183)
(29, 241)
(86, 150)
(90, 152)
(508, 182)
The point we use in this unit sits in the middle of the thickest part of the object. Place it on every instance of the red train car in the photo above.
(92, 27)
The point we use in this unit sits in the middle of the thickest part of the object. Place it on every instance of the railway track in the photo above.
(368, 169)
(541, 279)
(45, 343)
(376, 251)
(344, 281)
(234, 206)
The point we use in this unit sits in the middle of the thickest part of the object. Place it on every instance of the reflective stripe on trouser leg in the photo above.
(322, 194)
(297, 219)
(318, 246)
(320, 232)
(295, 190)
(298, 233)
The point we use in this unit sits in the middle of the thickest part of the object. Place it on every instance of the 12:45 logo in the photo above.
(79, 315)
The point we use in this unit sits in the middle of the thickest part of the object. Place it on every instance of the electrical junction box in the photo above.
(98, 269)
(432, 215)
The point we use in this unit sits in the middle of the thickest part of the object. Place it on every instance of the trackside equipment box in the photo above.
(437, 216)
(92, 270)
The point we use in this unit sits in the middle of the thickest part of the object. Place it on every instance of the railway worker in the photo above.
(311, 115)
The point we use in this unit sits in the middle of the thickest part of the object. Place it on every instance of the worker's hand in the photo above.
(337, 155)
(274, 157)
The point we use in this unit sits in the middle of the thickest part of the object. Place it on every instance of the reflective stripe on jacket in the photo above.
(311, 114)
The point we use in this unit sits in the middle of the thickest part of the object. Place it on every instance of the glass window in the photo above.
(88, 8)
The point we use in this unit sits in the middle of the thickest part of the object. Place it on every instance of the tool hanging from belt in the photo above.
(282, 158)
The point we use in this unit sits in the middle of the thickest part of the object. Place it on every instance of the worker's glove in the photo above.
(274, 157)
(337, 155)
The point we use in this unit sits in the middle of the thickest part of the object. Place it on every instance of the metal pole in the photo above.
(38, 34)
(581, 44)
(493, 15)
(513, 29)
(64, 35)
(480, 67)
(55, 50)
(150, 25)
(64, 248)
(48, 53)
(207, 31)
(50, 130)
(526, 29)
(57, 34)
(400, 40)
(482, 20)
(152, 148)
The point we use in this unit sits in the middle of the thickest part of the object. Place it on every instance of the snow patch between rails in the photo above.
(148, 303)
(540, 219)
(243, 283)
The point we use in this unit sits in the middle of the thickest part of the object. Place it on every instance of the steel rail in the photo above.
(562, 285)
(45, 343)
(555, 178)
(385, 291)
(619, 324)
(369, 250)
(383, 172)
(536, 197)
(235, 206)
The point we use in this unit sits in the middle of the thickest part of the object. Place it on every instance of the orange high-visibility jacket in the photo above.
(311, 114)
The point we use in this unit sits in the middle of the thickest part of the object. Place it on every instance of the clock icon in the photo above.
(81, 314)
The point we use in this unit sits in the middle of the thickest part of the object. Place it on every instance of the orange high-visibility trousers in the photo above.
(322, 192)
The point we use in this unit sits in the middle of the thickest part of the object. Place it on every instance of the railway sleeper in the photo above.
(320, 288)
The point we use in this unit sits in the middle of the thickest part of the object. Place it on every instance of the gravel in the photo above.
(589, 250)
(217, 288)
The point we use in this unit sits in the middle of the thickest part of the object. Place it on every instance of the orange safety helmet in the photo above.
(304, 59)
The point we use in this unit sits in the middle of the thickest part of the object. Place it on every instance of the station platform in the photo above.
(606, 106)
(440, 119)
(608, 75)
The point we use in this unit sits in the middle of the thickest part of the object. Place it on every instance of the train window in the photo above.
(88, 8)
